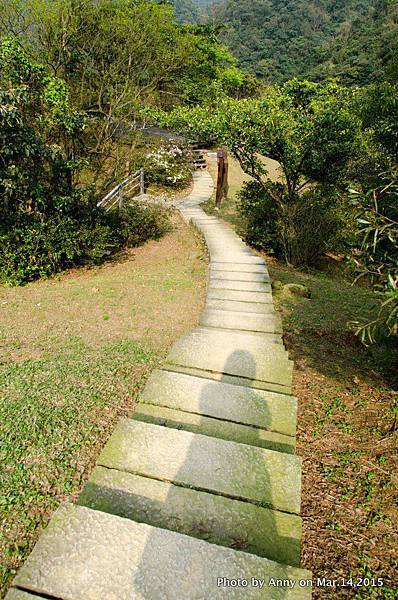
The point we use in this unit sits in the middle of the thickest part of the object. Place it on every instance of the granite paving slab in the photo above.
(239, 268)
(272, 479)
(241, 320)
(259, 408)
(239, 276)
(86, 554)
(250, 358)
(248, 286)
(240, 306)
(240, 296)
(216, 519)
(217, 428)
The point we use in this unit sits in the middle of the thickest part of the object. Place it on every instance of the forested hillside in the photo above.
(281, 39)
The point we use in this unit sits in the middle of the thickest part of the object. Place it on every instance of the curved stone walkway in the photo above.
(198, 495)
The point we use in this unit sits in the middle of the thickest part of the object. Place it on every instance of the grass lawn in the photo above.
(347, 425)
(74, 352)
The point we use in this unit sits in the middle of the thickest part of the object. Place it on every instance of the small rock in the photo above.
(297, 290)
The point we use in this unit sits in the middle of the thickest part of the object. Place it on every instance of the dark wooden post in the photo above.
(222, 176)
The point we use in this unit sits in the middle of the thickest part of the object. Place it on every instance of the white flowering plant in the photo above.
(168, 164)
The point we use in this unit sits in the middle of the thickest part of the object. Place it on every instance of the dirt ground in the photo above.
(347, 437)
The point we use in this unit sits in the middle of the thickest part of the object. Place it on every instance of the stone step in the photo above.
(225, 257)
(239, 306)
(240, 296)
(87, 554)
(230, 353)
(238, 337)
(224, 245)
(241, 320)
(15, 594)
(240, 268)
(284, 389)
(263, 477)
(217, 428)
(245, 286)
(215, 235)
(266, 410)
(215, 519)
(239, 276)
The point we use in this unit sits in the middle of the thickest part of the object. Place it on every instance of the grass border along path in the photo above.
(74, 352)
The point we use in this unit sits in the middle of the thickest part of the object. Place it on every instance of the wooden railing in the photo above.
(115, 197)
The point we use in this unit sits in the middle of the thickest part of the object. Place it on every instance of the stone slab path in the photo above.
(197, 496)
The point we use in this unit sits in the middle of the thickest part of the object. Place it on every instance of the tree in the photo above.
(40, 132)
(309, 129)
(118, 57)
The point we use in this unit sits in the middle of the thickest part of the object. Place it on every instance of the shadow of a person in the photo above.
(241, 525)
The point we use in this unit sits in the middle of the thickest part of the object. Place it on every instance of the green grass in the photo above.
(53, 413)
(75, 350)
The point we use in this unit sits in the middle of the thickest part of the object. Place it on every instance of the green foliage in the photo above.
(313, 133)
(116, 54)
(300, 229)
(355, 41)
(378, 108)
(138, 222)
(39, 131)
(279, 40)
(36, 244)
(74, 232)
(261, 214)
(46, 223)
(117, 58)
(377, 256)
(364, 49)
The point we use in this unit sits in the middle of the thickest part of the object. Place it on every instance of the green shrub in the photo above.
(36, 244)
(73, 233)
(139, 222)
(299, 228)
(260, 214)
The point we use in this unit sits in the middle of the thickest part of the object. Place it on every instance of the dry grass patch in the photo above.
(347, 435)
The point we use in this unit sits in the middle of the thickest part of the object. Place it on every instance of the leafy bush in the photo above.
(36, 244)
(298, 228)
(260, 214)
(46, 223)
(376, 258)
(169, 165)
(139, 222)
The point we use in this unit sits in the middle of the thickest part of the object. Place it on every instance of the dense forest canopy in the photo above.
(355, 40)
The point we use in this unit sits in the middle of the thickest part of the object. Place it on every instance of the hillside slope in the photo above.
(353, 40)
(281, 39)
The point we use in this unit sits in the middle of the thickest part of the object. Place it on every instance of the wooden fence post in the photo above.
(222, 176)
